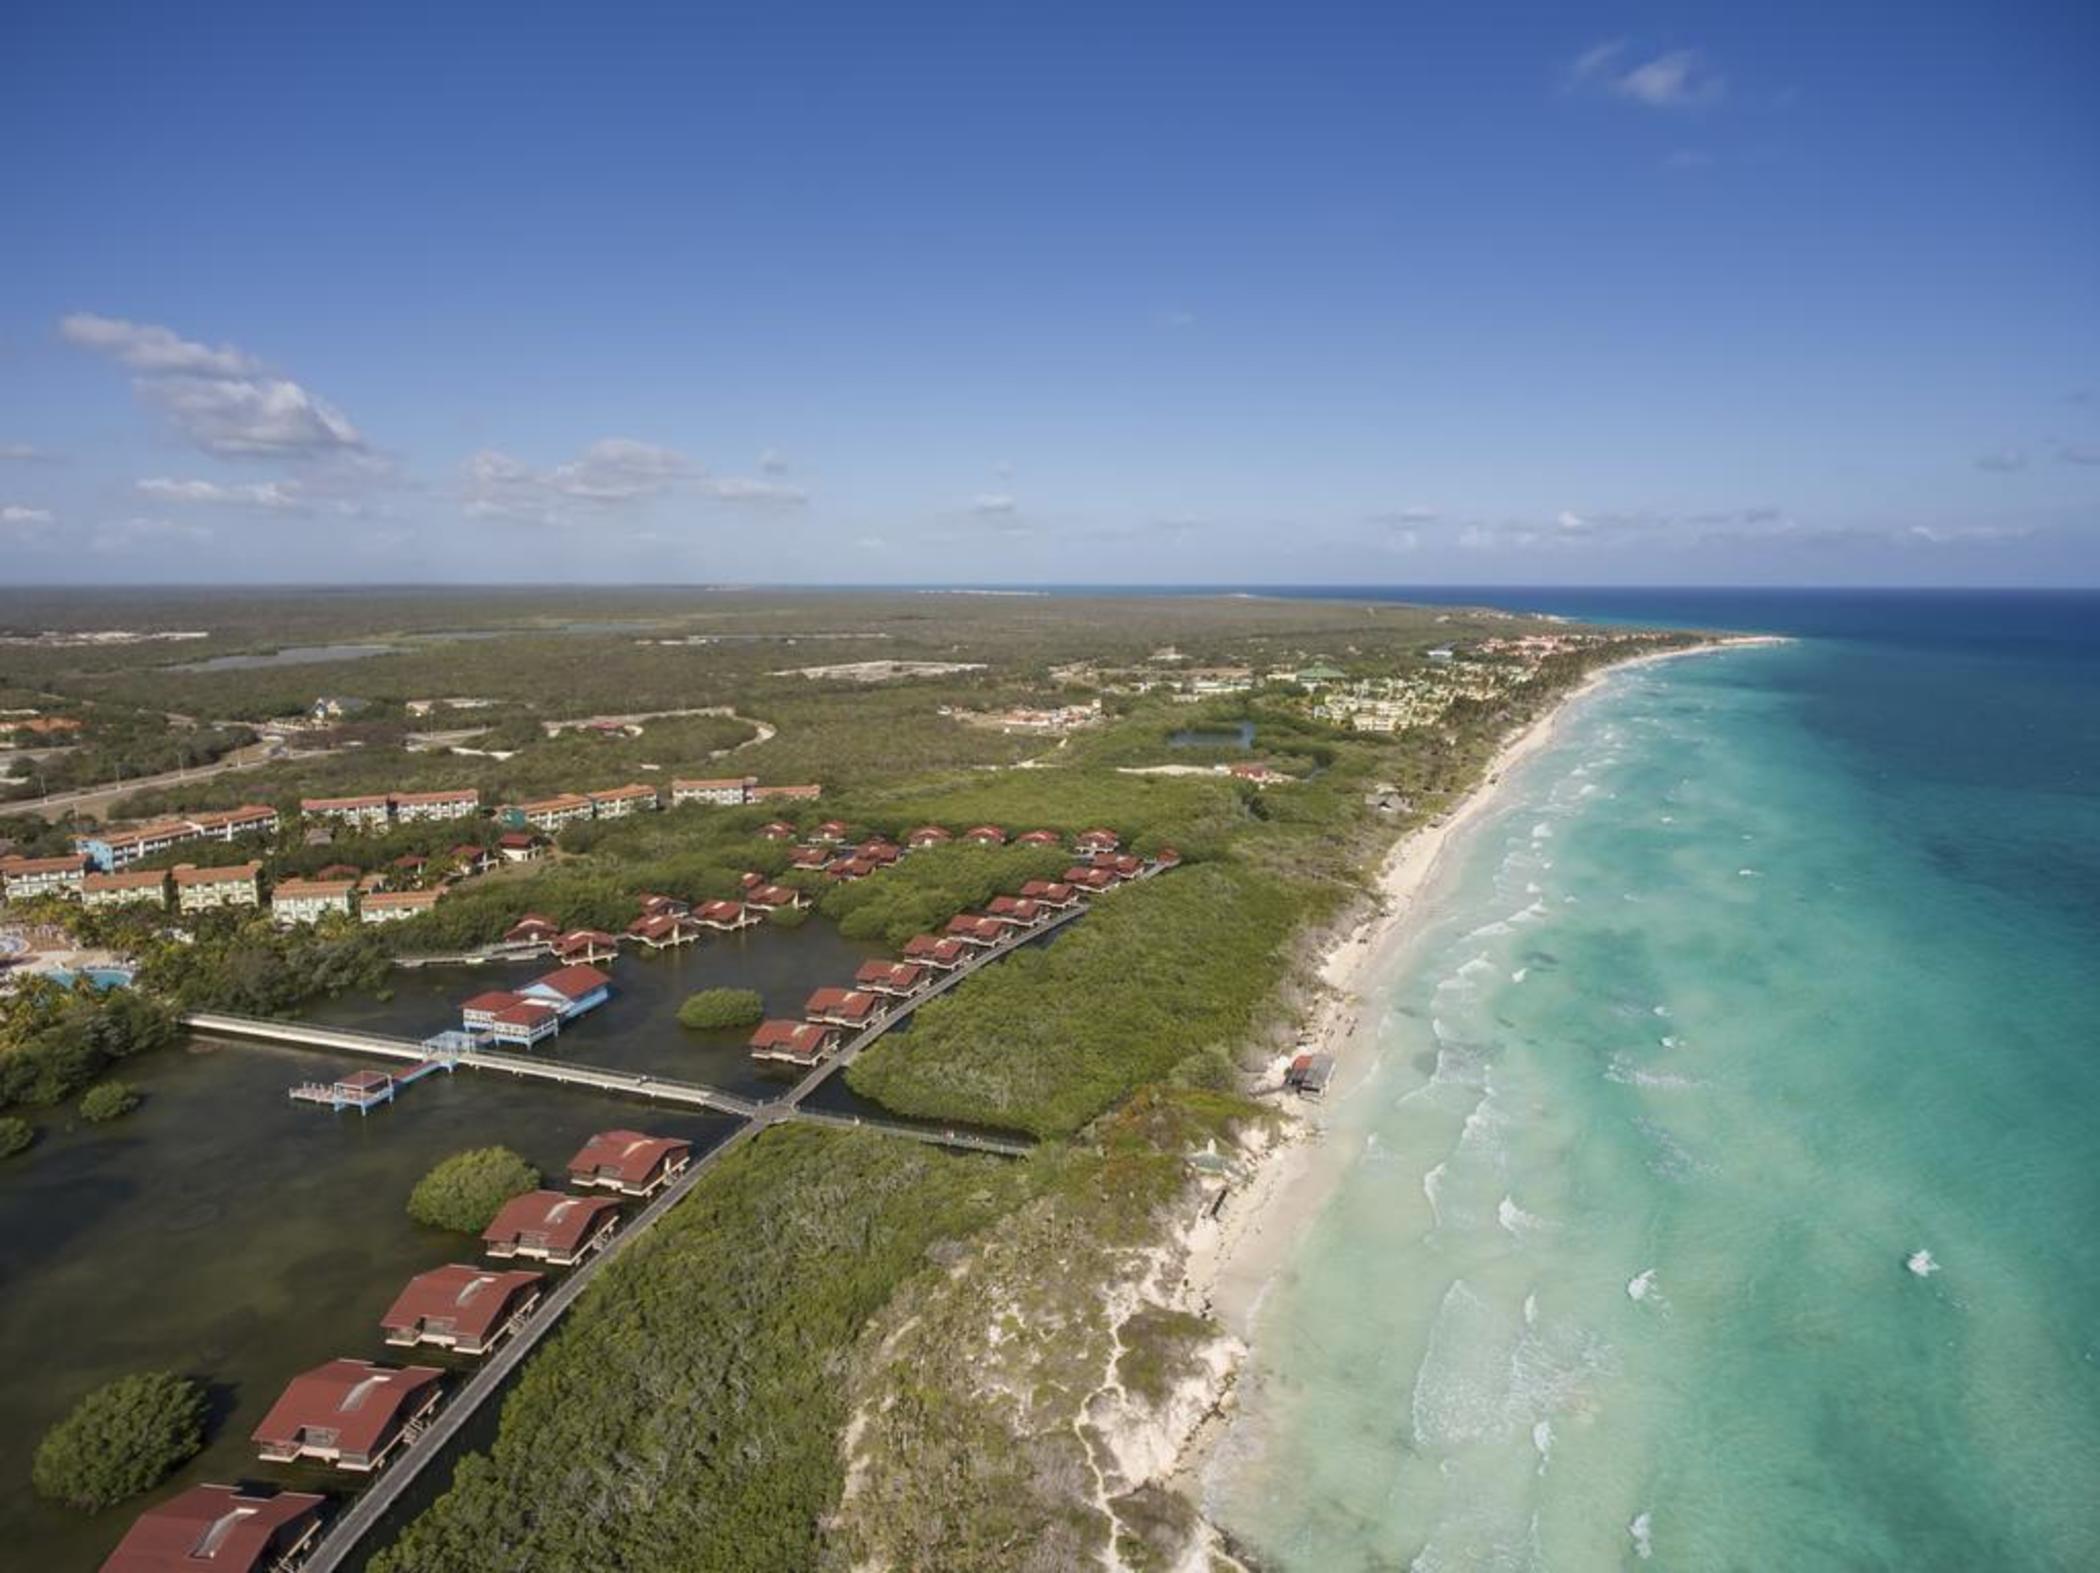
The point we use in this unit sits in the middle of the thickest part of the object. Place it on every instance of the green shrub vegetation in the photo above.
(120, 1440)
(467, 1190)
(690, 1407)
(16, 1135)
(1050, 1038)
(712, 1010)
(54, 1041)
(108, 1100)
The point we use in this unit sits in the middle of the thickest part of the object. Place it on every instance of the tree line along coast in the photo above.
(1127, 1047)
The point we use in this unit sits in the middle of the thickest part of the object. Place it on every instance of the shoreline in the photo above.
(1234, 1255)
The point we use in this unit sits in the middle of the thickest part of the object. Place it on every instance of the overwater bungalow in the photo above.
(220, 1529)
(847, 869)
(1015, 911)
(362, 1090)
(851, 1008)
(811, 858)
(666, 931)
(1087, 877)
(773, 898)
(795, 1042)
(572, 990)
(349, 1413)
(898, 979)
(468, 1310)
(932, 951)
(974, 930)
(727, 916)
(1051, 893)
(532, 929)
(551, 1227)
(525, 1024)
(587, 945)
(656, 906)
(630, 1162)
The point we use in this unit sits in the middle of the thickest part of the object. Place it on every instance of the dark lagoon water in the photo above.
(290, 655)
(223, 1232)
(1240, 736)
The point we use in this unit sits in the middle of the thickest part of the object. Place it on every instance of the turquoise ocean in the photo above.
(1723, 1190)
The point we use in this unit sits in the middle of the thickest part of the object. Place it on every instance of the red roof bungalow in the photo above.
(726, 915)
(629, 1162)
(655, 906)
(985, 836)
(847, 869)
(483, 1008)
(549, 1226)
(777, 830)
(411, 863)
(877, 850)
(571, 990)
(219, 1529)
(1038, 838)
(898, 978)
(525, 1024)
(1018, 911)
(973, 930)
(1259, 774)
(808, 857)
(845, 1007)
(350, 1413)
(929, 951)
(532, 929)
(1120, 864)
(463, 1309)
(665, 930)
(750, 879)
(796, 1042)
(771, 898)
(520, 846)
(472, 859)
(832, 831)
(587, 945)
(339, 871)
(1050, 893)
(928, 836)
(1087, 878)
(1098, 841)
(1168, 858)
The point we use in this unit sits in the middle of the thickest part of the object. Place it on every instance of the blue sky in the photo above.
(1674, 293)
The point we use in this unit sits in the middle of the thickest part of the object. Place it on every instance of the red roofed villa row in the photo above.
(551, 1226)
(797, 1042)
(1018, 911)
(630, 1162)
(462, 803)
(465, 1309)
(223, 1529)
(892, 977)
(665, 930)
(391, 906)
(845, 1007)
(931, 951)
(349, 1413)
(1090, 878)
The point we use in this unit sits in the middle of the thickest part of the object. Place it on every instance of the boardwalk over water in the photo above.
(347, 1532)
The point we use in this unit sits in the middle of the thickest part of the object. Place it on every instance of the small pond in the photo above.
(1239, 735)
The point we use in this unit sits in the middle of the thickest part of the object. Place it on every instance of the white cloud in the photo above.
(273, 496)
(990, 504)
(24, 453)
(1943, 535)
(221, 399)
(21, 517)
(613, 473)
(756, 494)
(773, 462)
(2003, 461)
(131, 534)
(146, 347)
(1677, 79)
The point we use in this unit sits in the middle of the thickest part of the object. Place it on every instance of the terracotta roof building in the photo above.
(552, 1227)
(219, 1529)
(464, 1309)
(630, 1162)
(845, 1007)
(796, 1042)
(349, 1413)
(202, 889)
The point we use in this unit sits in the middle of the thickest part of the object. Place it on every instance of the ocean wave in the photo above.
(1642, 1529)
(1641, 1288)
(1628, 1073)
(1519, 1223)
(1542, 1443)
(1920, 1262)
(1433, 1188)
(1520, 975)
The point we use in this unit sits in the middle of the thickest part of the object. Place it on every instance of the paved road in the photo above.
(94, 802)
